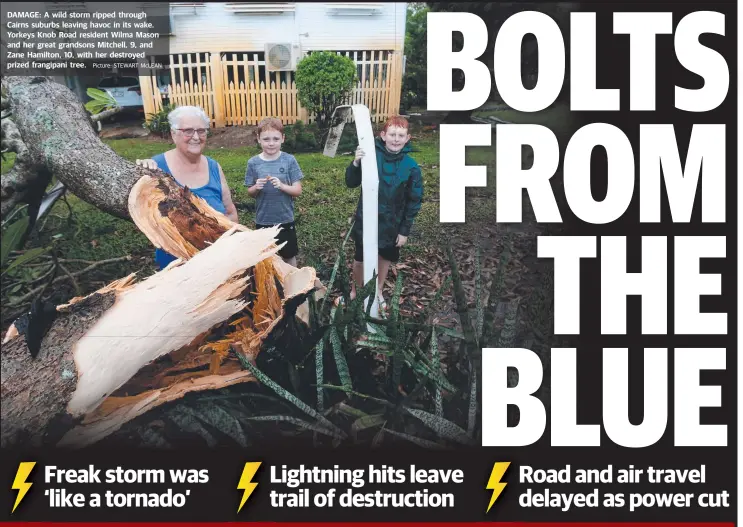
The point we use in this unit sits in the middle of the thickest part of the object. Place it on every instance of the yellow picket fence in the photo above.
(226, 88)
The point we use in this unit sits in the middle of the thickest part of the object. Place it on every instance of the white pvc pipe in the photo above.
(370, 197)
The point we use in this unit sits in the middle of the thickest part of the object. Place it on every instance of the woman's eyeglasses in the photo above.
(188, 132)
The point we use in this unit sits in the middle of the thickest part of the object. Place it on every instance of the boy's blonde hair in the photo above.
(269, 123)
(396, 120)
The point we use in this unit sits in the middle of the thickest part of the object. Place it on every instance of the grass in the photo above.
(323, 212)
(557, 117)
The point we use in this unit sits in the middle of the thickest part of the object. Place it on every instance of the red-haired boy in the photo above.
(400, 198)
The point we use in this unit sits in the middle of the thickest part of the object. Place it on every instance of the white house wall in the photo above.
(314, 26)
(326, 30)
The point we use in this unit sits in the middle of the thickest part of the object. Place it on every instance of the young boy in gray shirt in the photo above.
(274, 178)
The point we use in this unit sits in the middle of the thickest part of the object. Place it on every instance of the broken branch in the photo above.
(72, 276)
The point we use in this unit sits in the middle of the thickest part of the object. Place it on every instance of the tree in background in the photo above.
(414, 84)
(324, 81)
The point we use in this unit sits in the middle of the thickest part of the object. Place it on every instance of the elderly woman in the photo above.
(189, 167)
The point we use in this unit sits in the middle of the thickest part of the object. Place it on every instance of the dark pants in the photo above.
(391, 254)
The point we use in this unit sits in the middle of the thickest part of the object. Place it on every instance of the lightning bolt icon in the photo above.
(245, 483)
(494, 482)
(19, 483)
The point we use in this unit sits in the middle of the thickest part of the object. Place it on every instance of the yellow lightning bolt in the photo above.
(245, 483)
(494, 483)
(19, 483)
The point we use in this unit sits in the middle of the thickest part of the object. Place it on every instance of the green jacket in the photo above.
(400, 193)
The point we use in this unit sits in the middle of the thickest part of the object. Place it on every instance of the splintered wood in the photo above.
(179, 331)
(173, 218)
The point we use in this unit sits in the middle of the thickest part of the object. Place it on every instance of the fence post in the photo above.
(396, 84)
(216, 71)
(148, 96)
(302, 114)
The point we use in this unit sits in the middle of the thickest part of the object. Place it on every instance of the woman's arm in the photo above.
(230, 209)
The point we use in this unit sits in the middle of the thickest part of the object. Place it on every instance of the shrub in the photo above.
(157, 123)
(324, 81)
(301, 138)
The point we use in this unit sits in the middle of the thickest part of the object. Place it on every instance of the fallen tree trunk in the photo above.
(59, 137)
(121, 351)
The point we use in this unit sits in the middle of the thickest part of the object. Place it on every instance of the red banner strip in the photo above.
(385, 524)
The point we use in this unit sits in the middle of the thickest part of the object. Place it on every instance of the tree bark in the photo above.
(127, 348)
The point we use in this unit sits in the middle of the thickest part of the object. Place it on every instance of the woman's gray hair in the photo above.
(182, 111)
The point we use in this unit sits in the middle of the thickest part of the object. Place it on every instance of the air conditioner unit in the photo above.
(282, 56)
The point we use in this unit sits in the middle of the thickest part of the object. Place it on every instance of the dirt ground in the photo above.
(126, 127)
(231, 136)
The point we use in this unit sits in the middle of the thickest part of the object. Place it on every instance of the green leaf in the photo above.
(435, 363)
(396, 297)
(99, 95)
(376, 338)
(267, 381)
(441, 426)
(26, 257)
(450, 332)
(422, 367)
(319, 373)
(340, 360)
(11, 238)
(186, 422)
(335, 268)
(357, 394)
(379, 437)
(496, 288)
(216, 416)
(369, 421)
(101, 100)
(431, 305)
(472, 414)
(398, 334)
(347, 409)
(380, 330)
(510, 324)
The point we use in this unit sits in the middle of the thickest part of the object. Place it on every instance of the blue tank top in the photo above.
(211, 193)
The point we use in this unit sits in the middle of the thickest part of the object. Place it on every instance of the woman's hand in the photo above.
(401, 240)
(147, 163)
(359, 154)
